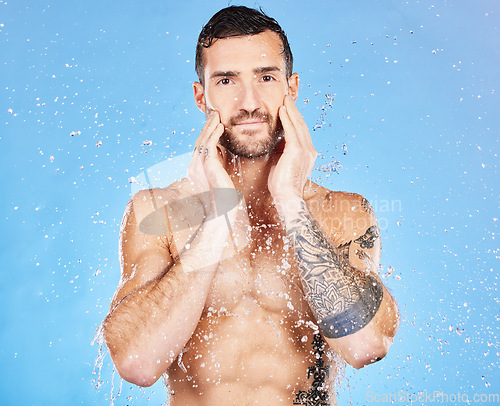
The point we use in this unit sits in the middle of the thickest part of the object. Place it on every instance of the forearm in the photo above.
(148, 328)
(342, 298)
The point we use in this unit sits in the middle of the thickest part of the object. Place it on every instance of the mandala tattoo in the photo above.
(318, 394)
(342, 298)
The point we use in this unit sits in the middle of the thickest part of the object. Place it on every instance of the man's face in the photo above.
(245, 81)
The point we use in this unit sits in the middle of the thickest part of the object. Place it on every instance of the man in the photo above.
(243, 281)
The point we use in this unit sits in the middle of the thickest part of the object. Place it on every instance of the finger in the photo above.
(222, 152)
(196, 164)
(291, 137)
(294, 112)
(298, 122)
(213, 141)
(206, 131)
(208, 128)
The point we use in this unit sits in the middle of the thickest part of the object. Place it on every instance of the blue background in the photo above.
(400, 97)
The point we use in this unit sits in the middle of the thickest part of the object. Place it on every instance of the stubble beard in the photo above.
(251, 148)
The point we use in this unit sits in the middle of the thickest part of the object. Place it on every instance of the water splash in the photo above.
(101, 354)
(112, 397)
(330, 167)
(98, 364)
(328, 105)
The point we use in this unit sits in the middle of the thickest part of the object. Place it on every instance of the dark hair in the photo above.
(237, 21)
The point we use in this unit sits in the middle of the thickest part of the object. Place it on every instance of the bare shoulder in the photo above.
(148, 200)
(348, 221)
(342, 215)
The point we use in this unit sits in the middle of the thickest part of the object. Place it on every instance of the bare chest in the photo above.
(263, 272)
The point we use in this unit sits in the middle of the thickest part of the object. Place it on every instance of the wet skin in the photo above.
(223, 309)
(253, 343)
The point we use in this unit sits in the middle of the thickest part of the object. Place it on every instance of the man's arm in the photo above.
(160, 299)
(355, 313)
(161, 296)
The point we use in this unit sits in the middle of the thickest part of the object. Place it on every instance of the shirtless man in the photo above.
(254, 303)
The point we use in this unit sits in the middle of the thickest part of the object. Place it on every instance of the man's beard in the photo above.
(252, 148)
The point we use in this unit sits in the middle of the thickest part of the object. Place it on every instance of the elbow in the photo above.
(132, 369)
(138, 378)
(133, 365)
(372, 342)
(369, 353)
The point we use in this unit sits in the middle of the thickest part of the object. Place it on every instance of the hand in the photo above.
(295, 161)
(205, 170)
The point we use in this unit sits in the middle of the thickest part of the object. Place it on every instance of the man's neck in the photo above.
(250, 177)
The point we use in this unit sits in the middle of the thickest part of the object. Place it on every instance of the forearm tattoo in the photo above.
(342, 298)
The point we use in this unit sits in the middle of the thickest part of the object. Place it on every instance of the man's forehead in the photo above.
(266, 37)
(249, 52)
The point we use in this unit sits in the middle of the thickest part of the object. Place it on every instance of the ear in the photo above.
(199, 96)
(293, 86)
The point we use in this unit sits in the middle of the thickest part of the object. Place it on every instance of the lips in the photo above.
(251, 123)
(245, 118)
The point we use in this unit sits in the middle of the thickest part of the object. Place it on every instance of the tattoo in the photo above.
(344, 250)
(367, 206)
(318, 394)
(367, 240)
(362, 255)
(342, 298)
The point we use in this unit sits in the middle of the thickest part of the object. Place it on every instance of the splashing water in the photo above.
(98, 364)
(328, 105)
(333, 166)
(112, 397)
(99, 361)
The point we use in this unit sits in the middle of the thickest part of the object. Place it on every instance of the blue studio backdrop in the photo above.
(400, 98)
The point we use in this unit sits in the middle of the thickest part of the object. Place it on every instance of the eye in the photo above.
(267, 78)
(224, 81)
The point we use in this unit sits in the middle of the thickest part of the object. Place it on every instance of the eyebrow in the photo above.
(229, 73)
(232, 73)
(266, 69)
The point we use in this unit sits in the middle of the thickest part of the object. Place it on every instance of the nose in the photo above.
(249, 98)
